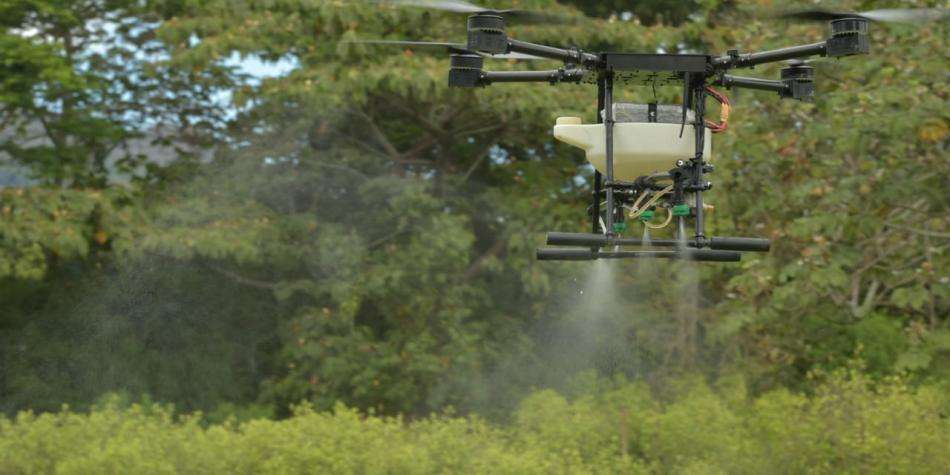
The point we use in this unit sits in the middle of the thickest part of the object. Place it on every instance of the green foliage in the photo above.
(859, 265)
(849, 425)
(140, 329)
(39, 225)
(364, 234)
(82, 79)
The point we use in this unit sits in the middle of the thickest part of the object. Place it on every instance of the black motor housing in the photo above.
(465, 70)
(849, 36)
(486, 34)
(799, 81)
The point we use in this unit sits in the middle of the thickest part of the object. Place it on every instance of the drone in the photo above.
(649, 159)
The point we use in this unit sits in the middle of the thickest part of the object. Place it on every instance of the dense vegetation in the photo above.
(846, 427)
(354, 232)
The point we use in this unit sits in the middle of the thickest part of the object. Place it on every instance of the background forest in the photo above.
(229, 207)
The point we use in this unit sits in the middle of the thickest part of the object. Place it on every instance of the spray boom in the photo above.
(567, 254)
(714, 249)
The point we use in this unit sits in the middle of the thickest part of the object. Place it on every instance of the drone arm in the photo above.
(552, 76)
(735, 60)
(730, 81)
(566, 55)
(797, 83)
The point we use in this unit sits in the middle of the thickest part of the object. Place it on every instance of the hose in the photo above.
(637, 211)
(669, 219)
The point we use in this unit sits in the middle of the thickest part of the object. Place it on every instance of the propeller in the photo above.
(893, 15)
(459, 6)
(808, 62)
(437, 47)
(819, 64)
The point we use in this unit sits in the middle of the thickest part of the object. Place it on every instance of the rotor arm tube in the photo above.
(561, 54)
(781, 54)
(730, 81)
(551, 76)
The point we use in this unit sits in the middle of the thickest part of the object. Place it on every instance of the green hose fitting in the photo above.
(620, 227)
(646, 215)
(681, 210)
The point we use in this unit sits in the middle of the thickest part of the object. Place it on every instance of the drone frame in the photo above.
(486, 34)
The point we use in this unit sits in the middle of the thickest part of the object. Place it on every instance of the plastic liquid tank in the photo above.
(640, 147)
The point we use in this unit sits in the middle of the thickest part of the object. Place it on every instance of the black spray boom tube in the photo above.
(705, 255)
(740, 244)
(600, 240)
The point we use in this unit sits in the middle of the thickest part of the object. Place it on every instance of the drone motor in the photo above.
(799, 80)
(849, 36)
(465, 70)
(486, 33)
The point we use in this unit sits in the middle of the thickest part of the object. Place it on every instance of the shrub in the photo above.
(849, 425)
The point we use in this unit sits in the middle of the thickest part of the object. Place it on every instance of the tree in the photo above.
(855, 269)
(88, 100)
(84, 78)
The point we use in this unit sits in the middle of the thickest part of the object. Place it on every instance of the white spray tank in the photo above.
(640, 147)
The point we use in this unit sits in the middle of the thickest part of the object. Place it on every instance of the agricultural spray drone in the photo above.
(649, 159)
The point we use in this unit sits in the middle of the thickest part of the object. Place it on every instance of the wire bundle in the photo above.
(723, 123)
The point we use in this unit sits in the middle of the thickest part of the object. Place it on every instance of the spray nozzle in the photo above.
(681, 210)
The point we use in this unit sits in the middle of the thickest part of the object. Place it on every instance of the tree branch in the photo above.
(378, 134)
(921, 232)
(869, 299)
(344, 168)
(423, 144)
(251, 282)
(481, 157)
(479, 263)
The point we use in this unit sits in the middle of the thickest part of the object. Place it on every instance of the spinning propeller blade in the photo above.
(820, 65)
(807, 62)
(459, 6)
(448, 5)
(894, 15)
(437, 47)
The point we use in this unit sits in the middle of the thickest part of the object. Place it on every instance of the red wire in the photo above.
(723, 123)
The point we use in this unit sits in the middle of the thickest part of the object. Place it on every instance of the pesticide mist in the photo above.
(634, 319)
